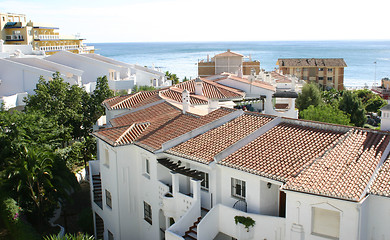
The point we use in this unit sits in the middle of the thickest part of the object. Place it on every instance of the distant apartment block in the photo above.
(16, 30)
(227, 62)
(327, 72)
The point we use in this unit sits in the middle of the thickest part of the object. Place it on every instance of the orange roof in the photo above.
(132, 101)
(163, 123)
(279, 78)
(381, 185)
(121, 135)
(212, 89)
(245, 80)
(282, 152)
(311, 62)
(175, 94)
(204, 147)
(345, 170)
(229, 53)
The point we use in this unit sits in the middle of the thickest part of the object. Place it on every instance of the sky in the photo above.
(209, 20)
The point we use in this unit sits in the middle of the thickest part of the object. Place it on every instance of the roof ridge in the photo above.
(129, 129)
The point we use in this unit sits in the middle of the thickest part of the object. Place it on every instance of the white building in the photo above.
(165, 174)
(20, 73)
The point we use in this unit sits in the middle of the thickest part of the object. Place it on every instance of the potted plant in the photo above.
(243, 230)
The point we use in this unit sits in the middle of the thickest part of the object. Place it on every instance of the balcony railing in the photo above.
(59, 48)
(47, 37)
(221, 219)
(14, 38)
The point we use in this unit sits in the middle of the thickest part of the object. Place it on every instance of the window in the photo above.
(320, 78)
(238, 188)
(110, 235)
(147, 212)
(330, 69)
(330, 79)
(108, 199)
(205, 181)
(325, 223)
(147, 167)
(106, 158)
(320, 69)
(305, 69)
(298, 70)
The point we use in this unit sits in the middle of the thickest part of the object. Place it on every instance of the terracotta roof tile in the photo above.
(311, 62)
(212, 89)
(121, 135)
(256, 83)
(175, 94)
(381, 185)
(282, 152)
(204, 147)
(345, 171)
(132, 101)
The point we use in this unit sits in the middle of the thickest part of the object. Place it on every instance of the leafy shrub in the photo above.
(80, 236)
(246, 221)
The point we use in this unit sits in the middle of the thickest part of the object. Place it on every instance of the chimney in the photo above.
(186, 100)
(198, 86)
(239, 74)
(212, 105)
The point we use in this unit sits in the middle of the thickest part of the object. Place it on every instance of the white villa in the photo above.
(166, 172)
(20, 74)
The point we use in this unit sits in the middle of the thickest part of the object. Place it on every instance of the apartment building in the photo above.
(327, 72)
(42, 37)
(167, 173)
(228, 62)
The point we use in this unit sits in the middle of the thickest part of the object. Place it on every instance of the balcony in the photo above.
(221, 220)
(14, 38)
(96, 182)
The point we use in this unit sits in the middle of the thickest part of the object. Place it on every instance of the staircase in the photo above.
(97, 189)
(99, 227)
(192, 233)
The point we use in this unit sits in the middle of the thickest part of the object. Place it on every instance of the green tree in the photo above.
(172, 76)
(310, 95)
(351, 105)
(365, 95)
(331, 96)
(80, 236)
(325, 113)
(142, 88)
(375, 103)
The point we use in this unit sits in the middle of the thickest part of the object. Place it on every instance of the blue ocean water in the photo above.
(181, 57)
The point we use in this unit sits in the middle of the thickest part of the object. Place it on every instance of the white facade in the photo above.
(138, 179)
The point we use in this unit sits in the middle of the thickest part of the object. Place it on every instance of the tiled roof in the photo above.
(165, 123)
(345, 171)
(121, 135)
(245, 80)
(161, 110)
(132, 101)
(175, 94)
(311, 62)
(381, 185)
(212, 90)
(229, 53)
(279, 78)
(282, 152)
(204, 147)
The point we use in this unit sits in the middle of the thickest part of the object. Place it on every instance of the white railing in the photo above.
(177, 230)
(48, 37)
(94, 167)
(221, 219)
(14, 37)
(162, 190)
(58, 48)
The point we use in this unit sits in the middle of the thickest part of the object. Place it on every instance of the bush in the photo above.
(80, 236)
(18, 228)
(246, 221)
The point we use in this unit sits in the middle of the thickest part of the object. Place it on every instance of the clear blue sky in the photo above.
(209, 20)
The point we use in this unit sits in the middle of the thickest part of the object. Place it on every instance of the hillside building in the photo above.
(164, 172)
(327, 72)
(16, 30)
(227, 62)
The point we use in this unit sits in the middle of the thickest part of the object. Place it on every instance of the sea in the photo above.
(368, 61)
